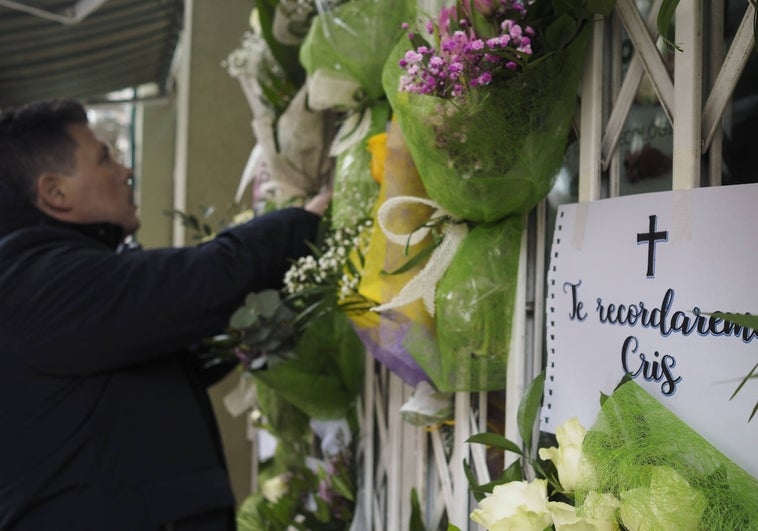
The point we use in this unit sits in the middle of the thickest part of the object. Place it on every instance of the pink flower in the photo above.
(465, 60)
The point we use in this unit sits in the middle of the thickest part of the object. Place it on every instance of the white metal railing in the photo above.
(396, 457)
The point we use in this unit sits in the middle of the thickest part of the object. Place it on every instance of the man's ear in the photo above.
(51, 193)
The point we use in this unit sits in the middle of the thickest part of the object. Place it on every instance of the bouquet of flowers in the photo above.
(389, 336)
(343, 54)
(309, 481)
(638, 467)
(290, 160)
(485, 95)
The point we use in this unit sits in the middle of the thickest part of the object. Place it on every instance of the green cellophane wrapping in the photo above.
(474, 310)
(355, 190)
(355, 38)
(497, 153)
(666, 475)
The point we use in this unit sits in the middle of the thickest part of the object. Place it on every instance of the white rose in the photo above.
(514, 506)
(274, 488)
(570, 436)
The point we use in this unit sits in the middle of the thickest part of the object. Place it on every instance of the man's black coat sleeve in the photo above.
(86, 309)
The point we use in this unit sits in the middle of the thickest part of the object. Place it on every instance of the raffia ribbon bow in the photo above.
(424, 284)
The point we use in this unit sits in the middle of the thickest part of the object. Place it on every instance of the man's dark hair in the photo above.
(34, 139)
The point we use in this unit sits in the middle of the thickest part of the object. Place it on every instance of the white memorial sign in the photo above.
(631, 285)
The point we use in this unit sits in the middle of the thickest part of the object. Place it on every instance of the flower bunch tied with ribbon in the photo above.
(638, 467)
(483, 93)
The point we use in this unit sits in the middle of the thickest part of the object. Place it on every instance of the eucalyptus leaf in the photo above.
(266, 302)
(243, 318)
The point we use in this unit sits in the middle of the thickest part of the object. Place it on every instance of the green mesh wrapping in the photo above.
(666, 475)
(474, 310)
(355, 38)
(355, 190)
(497, 153)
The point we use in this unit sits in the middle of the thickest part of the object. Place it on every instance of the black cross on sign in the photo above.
(652, 237)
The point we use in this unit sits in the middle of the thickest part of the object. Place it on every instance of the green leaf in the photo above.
(560, 32)
(416, 521)
(529, 408)
(514, 472)
(482, 26)
(497, 441)
(319, 396)
(567, 7)
(266, 302)
(421, 256)
(663, 22)
(751, 374)
(334, 340)
(243, 318)
(342, 488)
(286, 56)
(473, 482)
(742, 319)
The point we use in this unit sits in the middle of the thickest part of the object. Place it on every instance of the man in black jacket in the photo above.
(105, 424)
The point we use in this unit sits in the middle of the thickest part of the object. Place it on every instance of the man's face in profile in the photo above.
(98, 189)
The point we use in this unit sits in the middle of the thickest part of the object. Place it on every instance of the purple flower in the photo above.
(466, 61)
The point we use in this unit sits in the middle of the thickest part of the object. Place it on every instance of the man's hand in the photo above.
(318, 203)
